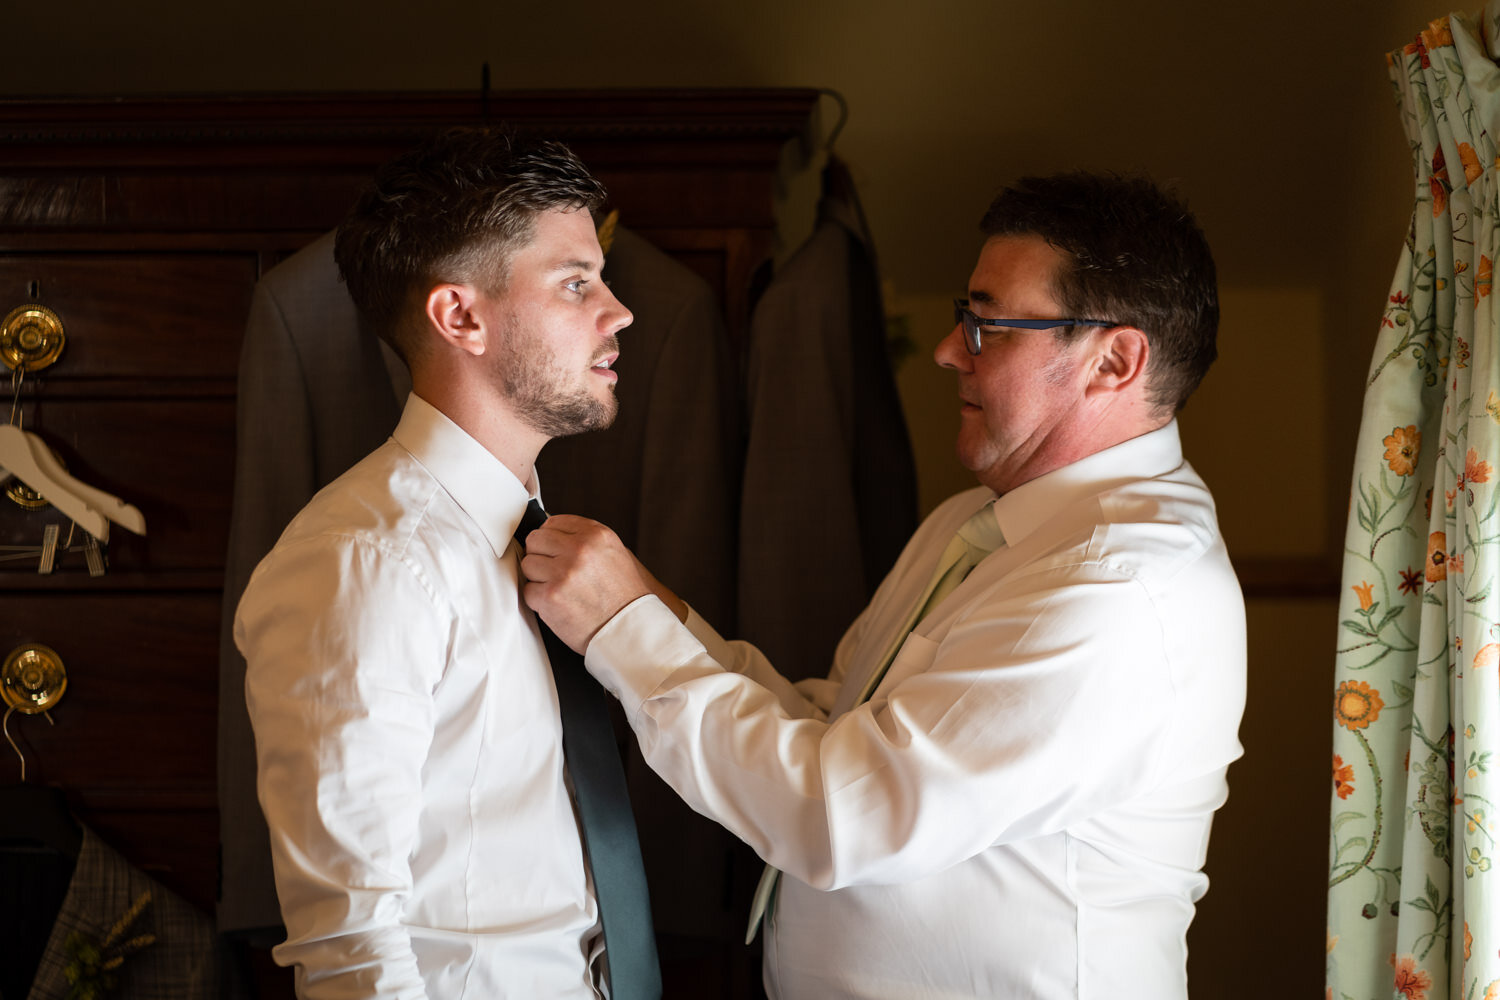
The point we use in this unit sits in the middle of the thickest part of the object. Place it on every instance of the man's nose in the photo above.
(951, 351)
(615, 316)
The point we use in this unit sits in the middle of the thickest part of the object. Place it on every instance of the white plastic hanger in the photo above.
(27, 457)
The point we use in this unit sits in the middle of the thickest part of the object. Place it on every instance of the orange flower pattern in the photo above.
(1487, 657)
(1437, 556)
(1438, 34)
(1356, 705)
(1416, 49)
(1470, 160)
(1402, 446)
(1343, 778)
(1411, 982)
(1363, 591)
(1476, 470)
(1439, 180)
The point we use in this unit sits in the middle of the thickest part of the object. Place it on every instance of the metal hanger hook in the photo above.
(5, 726)
(843, 118)
(17, 376)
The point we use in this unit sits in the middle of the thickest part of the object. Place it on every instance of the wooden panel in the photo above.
(238, 200)
(133, 736)
(45, 201)
(139, 712)
(146, 315)
(718, 129)
(695, 160)
(672, 194)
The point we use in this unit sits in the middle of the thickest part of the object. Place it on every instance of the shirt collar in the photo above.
(1031, 504)
(477, 481)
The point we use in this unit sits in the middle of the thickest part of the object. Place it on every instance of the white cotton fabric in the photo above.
(408, 740)
(1022, 808)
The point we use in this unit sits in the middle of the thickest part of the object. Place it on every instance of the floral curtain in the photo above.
(1414, 866)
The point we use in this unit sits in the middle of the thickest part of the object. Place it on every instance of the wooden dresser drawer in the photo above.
(137, 315)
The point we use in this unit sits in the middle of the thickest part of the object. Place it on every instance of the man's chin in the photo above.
(604, 416)
(595, 418)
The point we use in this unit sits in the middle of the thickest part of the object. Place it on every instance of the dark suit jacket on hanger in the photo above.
(830, 491)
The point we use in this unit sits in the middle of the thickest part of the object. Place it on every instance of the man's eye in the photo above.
(576, 286)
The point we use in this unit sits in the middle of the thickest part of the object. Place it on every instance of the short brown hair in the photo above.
(454, 209)
(1135, 256)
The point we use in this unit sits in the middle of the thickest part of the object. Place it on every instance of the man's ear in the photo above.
(451, 313)
(1120, 359)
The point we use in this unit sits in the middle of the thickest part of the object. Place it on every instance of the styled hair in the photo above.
(456, 209)
(1134, 255)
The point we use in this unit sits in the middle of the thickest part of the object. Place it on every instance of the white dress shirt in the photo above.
(1022, 808)
(409, 751)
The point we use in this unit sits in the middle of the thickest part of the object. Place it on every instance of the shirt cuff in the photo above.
(714, 644)
(640, 647)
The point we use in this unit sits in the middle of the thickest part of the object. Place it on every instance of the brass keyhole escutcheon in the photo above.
(31, 338)
(33, 679)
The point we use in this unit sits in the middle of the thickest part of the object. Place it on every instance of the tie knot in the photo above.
(530, 521)
(982, 530)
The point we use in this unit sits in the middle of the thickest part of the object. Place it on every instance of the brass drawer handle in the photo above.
(31, 338)
(32, 680)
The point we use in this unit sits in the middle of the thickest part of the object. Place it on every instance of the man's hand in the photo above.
(579, 575)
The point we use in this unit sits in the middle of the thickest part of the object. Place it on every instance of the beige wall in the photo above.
(1275, 120)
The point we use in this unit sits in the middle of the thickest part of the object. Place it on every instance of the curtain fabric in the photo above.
(1414, 866)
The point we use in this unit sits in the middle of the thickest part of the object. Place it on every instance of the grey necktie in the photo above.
(604, 814)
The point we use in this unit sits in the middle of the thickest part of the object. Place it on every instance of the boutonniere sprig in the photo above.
(92, 964)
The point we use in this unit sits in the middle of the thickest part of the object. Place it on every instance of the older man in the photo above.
(1005, 784)
(410, 749)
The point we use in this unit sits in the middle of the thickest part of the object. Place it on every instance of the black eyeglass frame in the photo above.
(971, 324)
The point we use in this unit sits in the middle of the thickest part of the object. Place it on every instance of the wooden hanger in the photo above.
(27, 457)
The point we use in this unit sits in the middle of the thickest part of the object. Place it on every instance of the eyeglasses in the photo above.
(972, 323)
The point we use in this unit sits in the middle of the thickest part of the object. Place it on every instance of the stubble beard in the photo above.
(536, 386)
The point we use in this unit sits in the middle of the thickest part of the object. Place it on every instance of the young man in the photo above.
(409, 748)
(1004, 787)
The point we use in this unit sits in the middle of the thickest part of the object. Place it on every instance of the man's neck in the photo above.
(1083, 442)
(488, 421)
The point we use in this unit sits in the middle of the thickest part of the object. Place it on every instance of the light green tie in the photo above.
(976, 538)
